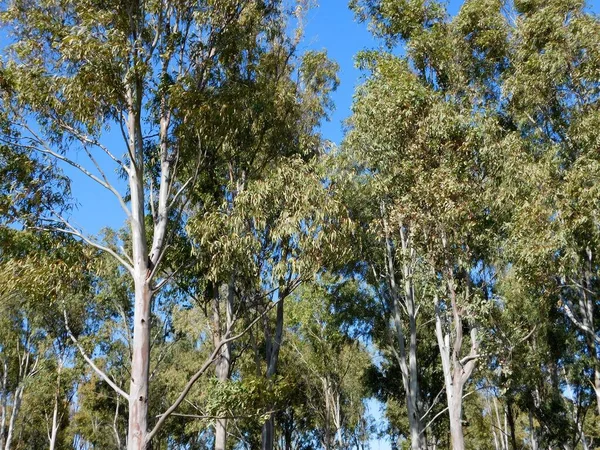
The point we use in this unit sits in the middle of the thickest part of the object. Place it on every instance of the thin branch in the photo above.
(231, 417)
(435, 400)
(443, 411)
(468, 358)
(85, 139)
(168, 278)
(583, 327)
(200, 372)
(73, 231)
(109, 186)
(99, 371)
(48, 151)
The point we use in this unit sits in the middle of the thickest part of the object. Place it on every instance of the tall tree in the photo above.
(77, 69)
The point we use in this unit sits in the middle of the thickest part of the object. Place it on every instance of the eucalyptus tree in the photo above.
(141, 69)
(264, 141)
(422, 129)
(37, 380)
(552, 100)
(318, 327)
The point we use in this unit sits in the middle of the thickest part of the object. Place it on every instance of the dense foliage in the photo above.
(270, 289)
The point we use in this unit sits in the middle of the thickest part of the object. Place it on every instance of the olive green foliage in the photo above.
(443, 259)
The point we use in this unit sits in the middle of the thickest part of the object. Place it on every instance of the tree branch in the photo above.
(99, 371)
(200, 372)
(75, 232)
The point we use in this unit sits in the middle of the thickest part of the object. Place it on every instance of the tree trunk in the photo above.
(273, 347)
(138, 388)
(54, 430)
(455, 412)
(268, 431)
(338, 421)
(4, 399)
(143, 264)
(223, 363)
(457, 371)
(327, 434)
(13, 416)
(511, 423)
(408, 362)
(532, 433)
(115, 428)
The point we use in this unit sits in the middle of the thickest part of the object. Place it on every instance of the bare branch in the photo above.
(45, 149)
(443, 411)
(99, 371)
(109, 186)
(85, 139)
(583, 327)
(205, 366)
(73, 231)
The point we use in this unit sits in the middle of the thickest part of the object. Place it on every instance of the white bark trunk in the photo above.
(223, 364)
(4, 400)
(55, 425)
(18, 396)
(138, 388)
(115, 428)
(406, 359)
(456, 372)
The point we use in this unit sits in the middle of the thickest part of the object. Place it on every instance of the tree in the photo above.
(77, 69)
(552, 92)
(421, 129)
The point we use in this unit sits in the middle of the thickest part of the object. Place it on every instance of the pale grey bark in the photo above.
(223, 363)
(533, 438)
(333, 418)
(115, 428)
(27, 369)
(16, 407)
(4, 394)
(55, 417)
(583, 316)
(456, 371)
(273, 345)
(407, 358)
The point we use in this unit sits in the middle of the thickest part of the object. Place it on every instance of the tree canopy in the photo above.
(432, 280)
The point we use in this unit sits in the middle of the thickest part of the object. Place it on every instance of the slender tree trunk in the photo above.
(532, 433)
(457, 370)
(54, 430)
(406, 360)
(456, 374)
(511, 423)
(138, 387)
(138, 390)
(4, 399)
(223, 364)
(273, 347)
(115, 428)
(338, 421)
(327, 438)
(18, 397)
(501, 431)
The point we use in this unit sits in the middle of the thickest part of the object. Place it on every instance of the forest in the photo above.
(431, 281)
